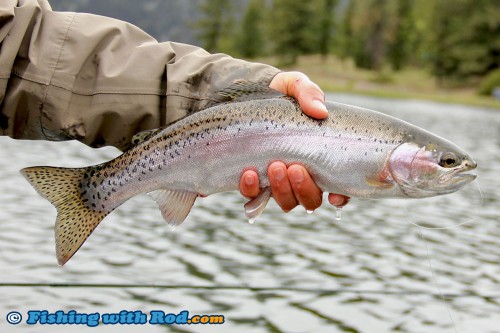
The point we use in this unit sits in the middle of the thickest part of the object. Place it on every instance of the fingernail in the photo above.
(249, 180)
(337, 201)
(320, 106)
(297, 175)
(279, 174)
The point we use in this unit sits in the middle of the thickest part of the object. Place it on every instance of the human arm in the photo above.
(100, 80)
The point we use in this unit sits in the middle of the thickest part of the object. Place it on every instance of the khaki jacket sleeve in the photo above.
(99, 80)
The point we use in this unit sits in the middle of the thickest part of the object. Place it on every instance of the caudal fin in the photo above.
(75, 220)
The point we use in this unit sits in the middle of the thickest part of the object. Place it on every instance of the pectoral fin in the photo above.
(256, 206)
(377, 182)
(174, 205)
(382, 180)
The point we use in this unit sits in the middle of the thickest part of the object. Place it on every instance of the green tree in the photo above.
(216, 23)
(345, 36)
(379, 32)
(251, 40)
(466, 42)
(404, 40)
(293, 28)
(327, 23)
(370, 25)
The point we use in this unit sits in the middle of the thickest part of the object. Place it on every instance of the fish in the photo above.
(355, 152)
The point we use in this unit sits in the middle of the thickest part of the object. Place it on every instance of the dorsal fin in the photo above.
(242, 90)
(144, 136)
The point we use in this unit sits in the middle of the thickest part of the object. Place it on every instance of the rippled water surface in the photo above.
(296, 272)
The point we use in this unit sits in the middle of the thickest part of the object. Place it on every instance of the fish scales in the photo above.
(355, 152)
(263, 134)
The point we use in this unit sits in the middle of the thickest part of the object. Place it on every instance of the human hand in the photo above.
(293, 185)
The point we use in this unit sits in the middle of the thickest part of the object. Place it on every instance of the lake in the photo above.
(372, 271)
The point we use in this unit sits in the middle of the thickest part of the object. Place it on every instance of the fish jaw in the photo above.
(456, 178)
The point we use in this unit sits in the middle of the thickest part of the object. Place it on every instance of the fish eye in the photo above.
(448, 160)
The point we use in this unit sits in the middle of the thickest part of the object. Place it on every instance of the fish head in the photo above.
(430, 169)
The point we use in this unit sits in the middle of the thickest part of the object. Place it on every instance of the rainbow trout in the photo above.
(354, 152)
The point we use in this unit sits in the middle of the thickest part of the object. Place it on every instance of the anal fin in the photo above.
(256, 206)
(174, 205)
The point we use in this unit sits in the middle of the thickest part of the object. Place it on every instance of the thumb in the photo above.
(309, 95)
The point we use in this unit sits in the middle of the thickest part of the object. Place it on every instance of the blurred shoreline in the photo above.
(335, 75)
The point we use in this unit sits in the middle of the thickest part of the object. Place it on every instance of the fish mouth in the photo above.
(459, 175)
(465, 177)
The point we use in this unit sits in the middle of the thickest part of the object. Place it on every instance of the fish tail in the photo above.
(75, 222)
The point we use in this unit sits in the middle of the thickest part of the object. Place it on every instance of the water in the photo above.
(296, 272)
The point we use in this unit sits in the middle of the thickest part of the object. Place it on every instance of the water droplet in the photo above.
(338, 213)
(309, 211)
(252, 220)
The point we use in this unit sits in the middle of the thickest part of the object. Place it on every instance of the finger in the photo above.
(338, 200)
(310, 96)
(307, 193)
(280, 186)
(249, 184)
